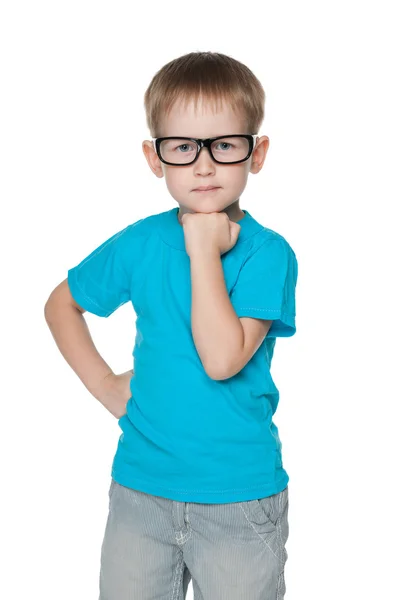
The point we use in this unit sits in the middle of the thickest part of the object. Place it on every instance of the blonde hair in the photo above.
(211, 76)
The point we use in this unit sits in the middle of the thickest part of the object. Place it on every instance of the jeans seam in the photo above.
(278, 527)
(178, 577)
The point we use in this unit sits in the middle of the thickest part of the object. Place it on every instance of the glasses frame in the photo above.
(205, 143)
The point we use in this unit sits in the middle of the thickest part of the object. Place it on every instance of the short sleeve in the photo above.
(100, 283)
(266, 285)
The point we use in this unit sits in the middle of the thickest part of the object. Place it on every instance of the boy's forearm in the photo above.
(216, 329)
(72, 336)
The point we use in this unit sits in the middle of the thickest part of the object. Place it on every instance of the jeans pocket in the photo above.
(267, 510)
(258, 512)
(271, 505)
(267, 517)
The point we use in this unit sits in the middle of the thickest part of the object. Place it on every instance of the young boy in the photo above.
(198, 489)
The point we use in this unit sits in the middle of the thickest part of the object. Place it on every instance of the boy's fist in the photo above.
(209, 232)
(115, 393)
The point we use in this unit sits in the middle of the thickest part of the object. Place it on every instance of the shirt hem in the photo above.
(203, 496)
(81, 298)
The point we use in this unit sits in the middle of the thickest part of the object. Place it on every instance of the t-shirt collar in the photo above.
(171, 231)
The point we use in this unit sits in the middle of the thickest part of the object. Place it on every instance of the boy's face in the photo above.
(182, 180)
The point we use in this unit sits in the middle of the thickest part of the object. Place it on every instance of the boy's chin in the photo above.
(205, 208)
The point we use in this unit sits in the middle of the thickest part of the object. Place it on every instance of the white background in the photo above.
(73, 75)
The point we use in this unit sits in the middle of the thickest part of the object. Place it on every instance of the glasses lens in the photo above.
(228, 149)
(178, 151)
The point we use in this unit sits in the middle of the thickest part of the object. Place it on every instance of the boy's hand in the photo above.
(115, 393)
(209, 232)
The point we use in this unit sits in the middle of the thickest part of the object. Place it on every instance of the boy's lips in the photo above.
(206, 188)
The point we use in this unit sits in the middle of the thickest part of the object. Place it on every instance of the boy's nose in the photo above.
(204, 162)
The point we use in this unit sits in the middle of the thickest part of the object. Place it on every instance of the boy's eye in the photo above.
(224, 144)
(185, 146)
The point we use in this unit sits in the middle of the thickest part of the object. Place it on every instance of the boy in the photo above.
(198, 490)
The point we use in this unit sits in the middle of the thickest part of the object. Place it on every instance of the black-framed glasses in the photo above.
(223, 149)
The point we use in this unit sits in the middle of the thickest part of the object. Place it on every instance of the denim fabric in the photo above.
(153, 546)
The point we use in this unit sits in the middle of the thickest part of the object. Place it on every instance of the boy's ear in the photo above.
(152, 158)
(259, 154)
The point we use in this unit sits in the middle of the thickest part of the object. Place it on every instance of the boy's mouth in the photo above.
(208, 188)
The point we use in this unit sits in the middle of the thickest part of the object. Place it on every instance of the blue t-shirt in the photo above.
(186, 436)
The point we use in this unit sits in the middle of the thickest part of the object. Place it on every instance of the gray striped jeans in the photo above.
(153, 547)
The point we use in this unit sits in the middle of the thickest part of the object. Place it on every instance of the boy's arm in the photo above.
(225, 343)
(71, 334)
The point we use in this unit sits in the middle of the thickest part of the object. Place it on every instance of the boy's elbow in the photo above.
(219, 372)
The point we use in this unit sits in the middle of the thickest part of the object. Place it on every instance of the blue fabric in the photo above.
(186, 436)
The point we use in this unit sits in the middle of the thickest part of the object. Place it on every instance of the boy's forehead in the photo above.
(208, 119)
